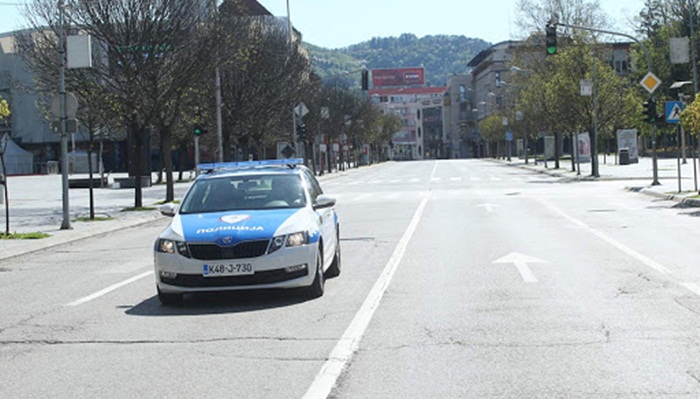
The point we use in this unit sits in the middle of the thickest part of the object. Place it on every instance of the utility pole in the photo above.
(217, 85)
(65, 225)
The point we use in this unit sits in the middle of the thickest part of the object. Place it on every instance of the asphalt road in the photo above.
(460, 279)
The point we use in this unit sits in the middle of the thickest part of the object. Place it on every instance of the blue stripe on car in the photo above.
(228, 228)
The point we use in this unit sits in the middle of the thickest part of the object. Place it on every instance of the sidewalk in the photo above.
(36, 205)
(637, 177)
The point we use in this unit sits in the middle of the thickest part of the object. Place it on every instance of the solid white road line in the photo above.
(692, 287)
(109, 289)
(345, 348)
(622, 247)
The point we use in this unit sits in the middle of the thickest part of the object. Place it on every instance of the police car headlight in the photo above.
(296, 239)
(289, 240)
(172, 246)
(166, 246)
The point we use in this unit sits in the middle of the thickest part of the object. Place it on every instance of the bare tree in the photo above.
(263, 76)
(533, 15)
(150, 50)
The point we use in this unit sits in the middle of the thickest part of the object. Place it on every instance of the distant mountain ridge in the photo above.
(440, 55)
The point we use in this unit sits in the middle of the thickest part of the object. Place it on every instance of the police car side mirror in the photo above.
(167, 209)
(324, 201)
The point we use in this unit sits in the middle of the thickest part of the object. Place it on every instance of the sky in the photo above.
(340, 23)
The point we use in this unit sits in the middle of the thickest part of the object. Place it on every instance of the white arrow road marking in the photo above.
(521, 262)
(488, 207)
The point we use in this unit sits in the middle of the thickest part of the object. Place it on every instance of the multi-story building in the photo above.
(459, 119)
(420, 110)
(485, 89)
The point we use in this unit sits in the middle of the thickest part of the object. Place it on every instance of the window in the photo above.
(313, 186)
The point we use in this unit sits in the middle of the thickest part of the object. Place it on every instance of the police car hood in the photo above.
(225, 228)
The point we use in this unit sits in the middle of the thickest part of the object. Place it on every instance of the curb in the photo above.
(24, 247)
(682, 201)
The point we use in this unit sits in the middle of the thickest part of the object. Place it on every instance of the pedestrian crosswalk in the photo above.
(455, 180)
(404, 196)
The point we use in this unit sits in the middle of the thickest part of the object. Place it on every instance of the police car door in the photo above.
(327, 216)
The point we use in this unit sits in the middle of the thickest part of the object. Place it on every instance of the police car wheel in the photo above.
(334, 270)
(315, 290)
(169, 299)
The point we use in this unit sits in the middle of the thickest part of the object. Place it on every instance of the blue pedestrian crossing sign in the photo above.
(673, 111)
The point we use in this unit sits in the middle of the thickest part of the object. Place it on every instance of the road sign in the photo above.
(301, 110)
(509, 136)
(71, 105)
(673, 111)
(650, 82)
(586, 87)
(680, 50)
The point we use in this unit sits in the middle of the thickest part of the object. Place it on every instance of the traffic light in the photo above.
(198, 130)
(301, 132)
(551, 38)
(649, 111)
(365, 79)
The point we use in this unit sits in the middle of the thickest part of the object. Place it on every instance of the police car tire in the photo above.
(315, 290)
(334, 270)
(169, 299)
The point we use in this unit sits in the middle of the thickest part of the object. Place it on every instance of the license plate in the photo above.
(227, 269)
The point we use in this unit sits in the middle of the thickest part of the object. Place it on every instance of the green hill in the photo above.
(440, 55)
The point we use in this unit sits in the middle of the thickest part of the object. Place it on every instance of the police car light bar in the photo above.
(249, 164)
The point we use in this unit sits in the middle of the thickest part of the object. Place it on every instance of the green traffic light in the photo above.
(551, 50)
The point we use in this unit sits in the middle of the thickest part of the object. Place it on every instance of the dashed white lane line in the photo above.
(345, 348)
(434, 170)
(109, 289)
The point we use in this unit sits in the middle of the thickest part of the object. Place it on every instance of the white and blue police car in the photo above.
(249, 225)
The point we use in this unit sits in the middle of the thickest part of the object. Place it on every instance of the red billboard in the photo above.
(398, 77)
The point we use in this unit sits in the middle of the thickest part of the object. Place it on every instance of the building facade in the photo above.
(411, 104)
(485, 89)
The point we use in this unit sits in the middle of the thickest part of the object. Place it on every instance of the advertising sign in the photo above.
(583, 148)
(398, 77)
(627, 138)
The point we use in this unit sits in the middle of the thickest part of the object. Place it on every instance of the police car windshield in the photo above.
(229, 193)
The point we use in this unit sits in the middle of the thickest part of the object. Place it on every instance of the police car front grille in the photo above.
(262, 277)
(242, 250)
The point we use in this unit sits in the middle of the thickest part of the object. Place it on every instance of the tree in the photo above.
(492, 129)
(148, 51)
(533, 15)
(575, 112)
(263, 77)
